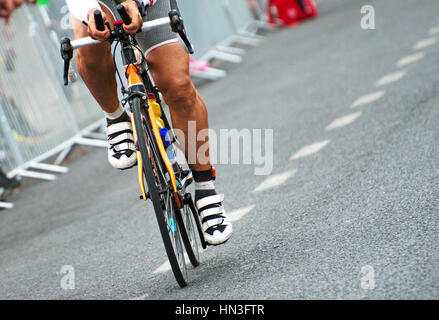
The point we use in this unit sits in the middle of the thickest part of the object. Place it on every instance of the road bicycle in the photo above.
(166, 183)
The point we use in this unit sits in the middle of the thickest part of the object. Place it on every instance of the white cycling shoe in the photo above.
(121, 148)
(216, 226)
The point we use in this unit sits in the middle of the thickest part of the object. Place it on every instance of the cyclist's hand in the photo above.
(136, 18)
(6, 8)
(95, 33)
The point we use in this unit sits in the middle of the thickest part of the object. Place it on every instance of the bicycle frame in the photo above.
(137, 87)
(134, 79)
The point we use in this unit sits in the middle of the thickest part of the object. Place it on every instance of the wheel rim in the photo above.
(191, 230)
(174, 233)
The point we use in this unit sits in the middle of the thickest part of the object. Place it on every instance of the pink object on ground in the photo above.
(198, 65)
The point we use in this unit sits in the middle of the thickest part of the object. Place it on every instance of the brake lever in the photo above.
(177, 26)
(67, 55)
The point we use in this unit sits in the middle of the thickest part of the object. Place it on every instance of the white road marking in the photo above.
(144, 297)
(410, 59)
(275, 181)
(165, 267)
(390, 78)
(343, 121)
(309, 150)
(369, 98)
(421, 44)
(433, 30)
(238, 214)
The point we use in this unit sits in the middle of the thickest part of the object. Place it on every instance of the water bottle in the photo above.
(152, 101)
(170, 150)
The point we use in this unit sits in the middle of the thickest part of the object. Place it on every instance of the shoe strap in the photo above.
(123, 146)
(206, 201)
(121, 138)
(118, 127)
(212, 223)
(212, 211)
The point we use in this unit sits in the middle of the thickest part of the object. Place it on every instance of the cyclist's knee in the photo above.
(180, 92)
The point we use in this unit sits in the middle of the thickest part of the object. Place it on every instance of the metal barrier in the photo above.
(34, 108)
(41, 119)
(214, 25)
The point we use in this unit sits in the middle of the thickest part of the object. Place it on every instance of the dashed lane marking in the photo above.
(144, 297)
(309, 150)
(433, 30)
(369, 98)
(166, 266)
(275, 181)
(422, 44)
(410, 59)
(390, 78)
(238, 214)
(343, 121)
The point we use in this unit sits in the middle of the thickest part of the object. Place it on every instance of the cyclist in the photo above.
(169, 67)
(8, 6)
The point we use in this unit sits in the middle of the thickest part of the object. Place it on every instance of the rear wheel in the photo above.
(160, 192)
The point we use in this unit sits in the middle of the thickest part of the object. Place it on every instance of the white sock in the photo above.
(205, 185)
(116, 114)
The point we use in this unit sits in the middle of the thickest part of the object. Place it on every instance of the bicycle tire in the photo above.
(189, 231)
(173, 245)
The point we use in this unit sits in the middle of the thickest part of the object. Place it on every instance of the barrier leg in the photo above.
(91, 142)
(63, 155)
(231, 50)
(209, 74)
(6, 205)
(216, 54)
(48, 167)
(34, 175)
(243, 36)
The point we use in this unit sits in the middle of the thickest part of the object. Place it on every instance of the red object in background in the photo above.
(290, 12)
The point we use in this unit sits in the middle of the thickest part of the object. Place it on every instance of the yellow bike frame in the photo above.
(135, 79)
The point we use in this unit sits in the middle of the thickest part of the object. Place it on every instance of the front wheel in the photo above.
(160, 192)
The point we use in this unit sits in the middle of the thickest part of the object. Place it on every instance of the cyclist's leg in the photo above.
(169, 66)
(96, 66)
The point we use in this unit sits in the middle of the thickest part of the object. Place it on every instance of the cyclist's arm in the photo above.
(80, 8)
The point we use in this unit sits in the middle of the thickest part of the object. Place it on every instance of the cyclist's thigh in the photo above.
(169, 67)
(157, 37)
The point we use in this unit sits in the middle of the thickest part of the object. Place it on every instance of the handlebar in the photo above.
(99, 20)
(123, 14)
(174, 20)
(147, 26)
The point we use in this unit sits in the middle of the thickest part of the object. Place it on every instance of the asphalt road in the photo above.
(349, 211)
